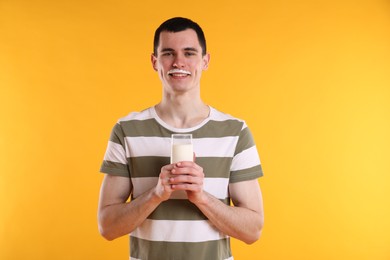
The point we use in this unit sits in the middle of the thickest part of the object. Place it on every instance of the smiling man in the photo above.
(187, 210)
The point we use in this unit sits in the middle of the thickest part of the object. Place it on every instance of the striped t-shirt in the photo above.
(140, 145)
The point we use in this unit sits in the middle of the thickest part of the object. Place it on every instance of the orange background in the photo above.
(311, 78)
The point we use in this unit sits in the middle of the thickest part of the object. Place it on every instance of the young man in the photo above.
(182, 210)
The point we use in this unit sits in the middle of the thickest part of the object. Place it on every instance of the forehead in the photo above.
(179, 40)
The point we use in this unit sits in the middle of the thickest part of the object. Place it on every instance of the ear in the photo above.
(153, 59)
(206, 61)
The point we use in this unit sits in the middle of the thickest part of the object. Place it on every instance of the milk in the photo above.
(182, 152)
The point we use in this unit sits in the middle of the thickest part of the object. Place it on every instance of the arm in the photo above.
(116, 216)
(244, 221)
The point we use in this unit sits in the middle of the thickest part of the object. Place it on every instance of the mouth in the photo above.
(178, 73)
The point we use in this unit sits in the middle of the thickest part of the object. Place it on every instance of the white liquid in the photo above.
(182, 152)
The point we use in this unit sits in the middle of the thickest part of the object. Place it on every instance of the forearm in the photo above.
(238, 222)
(120, 219)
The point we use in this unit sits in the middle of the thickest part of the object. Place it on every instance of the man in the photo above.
(181, 210)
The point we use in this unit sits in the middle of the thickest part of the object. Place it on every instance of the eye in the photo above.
(167, 54)
(189, 53)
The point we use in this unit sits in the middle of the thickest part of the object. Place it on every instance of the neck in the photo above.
(182, 111)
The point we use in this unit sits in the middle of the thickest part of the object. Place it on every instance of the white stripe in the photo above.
(143, 115)
(148, 146)
(177, 231)
(143, 184)
(246, 159)
(215, 147)
(115, 153)
(217, 115)
(218, 187)
(161, 146)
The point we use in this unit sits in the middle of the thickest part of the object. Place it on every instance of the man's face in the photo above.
(179, 61)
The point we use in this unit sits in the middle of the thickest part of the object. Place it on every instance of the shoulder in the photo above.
(132, 116)
(219, 116)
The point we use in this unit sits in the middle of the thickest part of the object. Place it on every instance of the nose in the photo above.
(178, 62)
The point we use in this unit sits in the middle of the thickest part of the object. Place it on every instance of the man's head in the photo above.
(180, 55)
(178, 24)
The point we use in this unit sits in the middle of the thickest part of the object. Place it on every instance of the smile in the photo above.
(179, 73)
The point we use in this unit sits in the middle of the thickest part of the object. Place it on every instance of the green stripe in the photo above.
(114, 168)
(151, 128)
(117, 135)
(147, 166)
(246, 174)
(150, 166)
(147, 128)
(215, 129)
(215, 167)
(175, 209)
(245, 141)
(155, 250)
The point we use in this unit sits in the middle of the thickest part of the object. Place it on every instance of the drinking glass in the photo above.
(182, 148)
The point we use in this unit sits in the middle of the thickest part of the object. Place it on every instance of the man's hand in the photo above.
(188, 176)
(163, 189)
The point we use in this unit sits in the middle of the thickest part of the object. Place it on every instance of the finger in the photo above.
(187, 187)
(188, 171)
(168, 167)
(188, 164)
(179, 179)
(166, 170)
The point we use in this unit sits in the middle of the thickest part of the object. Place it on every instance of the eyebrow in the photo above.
(186, 49)
(167, 50)
(191, 49)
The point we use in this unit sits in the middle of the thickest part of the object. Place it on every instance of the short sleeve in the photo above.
(246, 161)
(115, 161)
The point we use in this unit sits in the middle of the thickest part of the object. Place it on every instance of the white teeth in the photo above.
(178, 72)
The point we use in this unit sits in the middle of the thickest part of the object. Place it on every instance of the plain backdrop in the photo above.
(311, 79)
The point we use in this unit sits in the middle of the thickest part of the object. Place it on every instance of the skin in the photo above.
(181, 107)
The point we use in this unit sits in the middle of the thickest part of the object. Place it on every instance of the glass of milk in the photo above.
(182, 148)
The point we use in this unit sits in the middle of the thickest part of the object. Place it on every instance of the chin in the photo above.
(180, 88)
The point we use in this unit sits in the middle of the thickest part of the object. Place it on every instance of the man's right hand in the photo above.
(163, 189)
